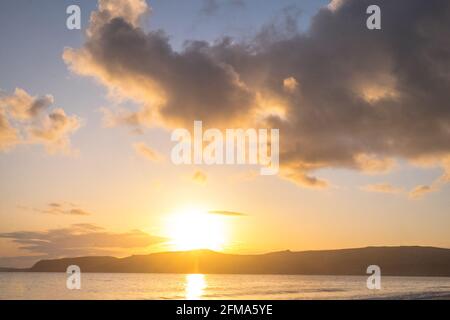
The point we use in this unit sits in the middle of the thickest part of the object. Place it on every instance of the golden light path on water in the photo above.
(195, 286)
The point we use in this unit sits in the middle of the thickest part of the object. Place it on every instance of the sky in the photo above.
(86, 118)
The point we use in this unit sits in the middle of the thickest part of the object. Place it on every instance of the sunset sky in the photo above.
(86, 118)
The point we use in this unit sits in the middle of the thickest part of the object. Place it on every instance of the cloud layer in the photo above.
(200, 177)
(80, 240)
(343, 96)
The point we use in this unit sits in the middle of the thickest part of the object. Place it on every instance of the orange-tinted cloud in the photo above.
(199, 177)
(25, 119)
(420, 191)
(436, 185)
(361, 102)
(382, 188)
(145, 151)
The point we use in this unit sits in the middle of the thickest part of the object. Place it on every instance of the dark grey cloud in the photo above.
(343, 96)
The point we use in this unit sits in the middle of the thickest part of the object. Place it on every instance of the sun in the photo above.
(196, 229)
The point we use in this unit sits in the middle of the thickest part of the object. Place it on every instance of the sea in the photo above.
(126, 286)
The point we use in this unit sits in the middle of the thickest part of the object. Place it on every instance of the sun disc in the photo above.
(195, 229)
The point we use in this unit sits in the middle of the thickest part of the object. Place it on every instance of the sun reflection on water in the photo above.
(195, 286)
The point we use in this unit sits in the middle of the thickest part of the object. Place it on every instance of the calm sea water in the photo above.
(172, 286)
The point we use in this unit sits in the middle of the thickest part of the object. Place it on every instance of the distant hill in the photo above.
(395, 261)
(13, 270)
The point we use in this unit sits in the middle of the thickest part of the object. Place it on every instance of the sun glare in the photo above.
(196, 229)
(195, 286)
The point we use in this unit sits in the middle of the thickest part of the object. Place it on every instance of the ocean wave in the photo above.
(432, 295)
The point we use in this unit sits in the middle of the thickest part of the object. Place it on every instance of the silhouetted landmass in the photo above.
(395, 261)
(13, 270)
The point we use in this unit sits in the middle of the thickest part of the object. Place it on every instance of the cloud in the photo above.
(382, 188)
(172, 87)
(57, 208)
(22, 106)
(9, 135)
(290, 84)
(335, 4)
(300, 177)
(80, 239)
(370, 163)
(420, 191)
(199, 177)
(143, 150)
(364, 98)
(211, 7)
(227, 213)
(436, 185)
(24, 119)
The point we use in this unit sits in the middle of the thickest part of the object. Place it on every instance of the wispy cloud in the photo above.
(145, 151)
(63, 208)
(227, 213)
(421, 190)
(199, 177)
(418, 191)
(383, 188)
